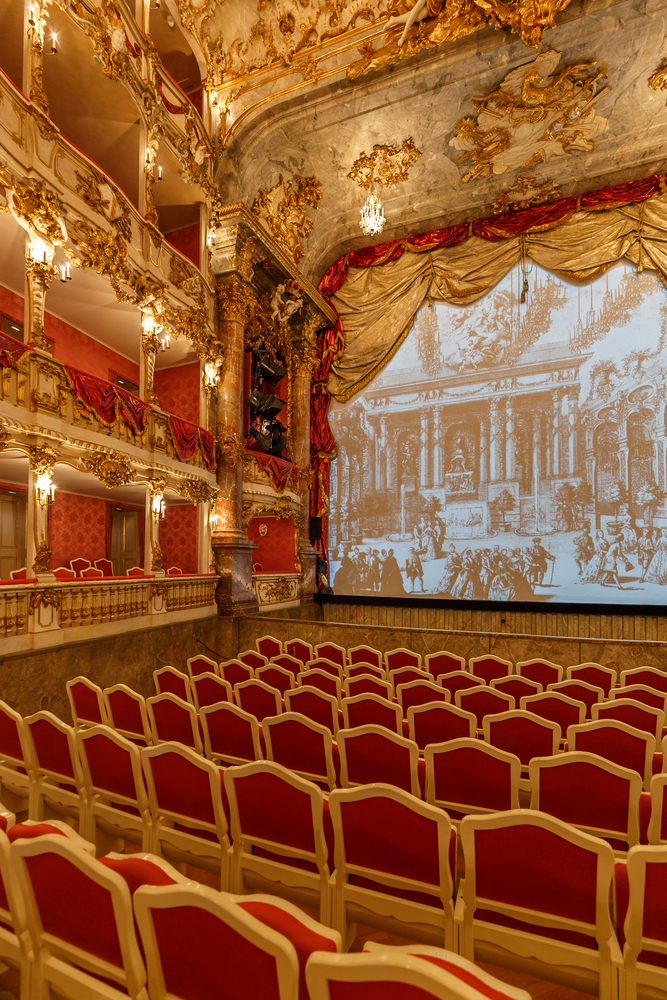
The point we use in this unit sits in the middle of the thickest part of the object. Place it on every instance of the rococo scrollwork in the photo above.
(385, 165)
(283, 208)
(112, 469)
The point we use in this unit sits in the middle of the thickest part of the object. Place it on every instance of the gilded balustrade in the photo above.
(13, 611)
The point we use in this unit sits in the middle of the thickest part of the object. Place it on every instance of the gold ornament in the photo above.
(156, 556)
(195, 490)
(525, 191)
(33, 202)
(95, 190)
(44, 599)
(112, 469)
(42, 458)
(42, 561)
(282, 210)
(236, 301)
(277, 591)
(385, 165)
(232, 450)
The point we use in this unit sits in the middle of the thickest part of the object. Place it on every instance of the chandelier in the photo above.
(372, 217)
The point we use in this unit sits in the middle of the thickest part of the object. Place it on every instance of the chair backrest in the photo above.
(105, 565)
(370, 754)
(459, 680)
(199, 942)
(437, 723)
(173, 720)
(650, 676)
(555, 707)
(126, 712)
(78, 565)
(258, 698)
(370, 709)
(650, 720)
(589, 792)
(87, 702)
(136, 571)
(209, 689)
(174, 571)
(52, 750)
(443, 663)
(91, 573)
(518, 687)
(488, 667)
(253, 659)
(299, 650)
(402, 657)
(420, 693)
(201, 664)
(61, 573)
(365, 669)
(269, 646)
(643, 694)
(186, 789)
(403, 675)
(20, 574)
(595, 674)
(111, 767)
(543, 671)
(301, 745)
(580, 691)
(322, 680)
(276, 677)
(330, 651)
(231, 735)
(468, 776)
(365, 684)
(288, 662)
(523, 734)
(657, 827)
(365, 654)
(320, 663)
(168, 680)
(314, 704)
(78, 907)
(235, 671)
(645, 924)
(484, 701)
(617, 742)
(12, 736)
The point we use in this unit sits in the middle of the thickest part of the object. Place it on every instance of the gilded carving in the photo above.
(156, 556)
(156, 589)
(108, 202)
(535, 115)
(385, 165)
(36, 208)
(236, 301)
(304, 362)
(106, 251)
(282, 210)
(42, 561)
(195, 490)
(112, 469)
(658, 81)
(309, 69)
(243, 257)
(277, 591)
(231, 450)
(525, 191)
(44, 598)
(42, 458)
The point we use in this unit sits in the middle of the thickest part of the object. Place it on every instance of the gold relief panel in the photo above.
(525, 191)
(385, 165)
(112, 469)
(195, 490)
(283, 208)
(277, 590)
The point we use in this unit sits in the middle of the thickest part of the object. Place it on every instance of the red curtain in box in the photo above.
(187, 435)
(11, 351)
(108, 401)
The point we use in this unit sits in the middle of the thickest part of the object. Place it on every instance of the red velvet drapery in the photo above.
(186, 435)
(281, 472)
(11, 351)
(108, 401)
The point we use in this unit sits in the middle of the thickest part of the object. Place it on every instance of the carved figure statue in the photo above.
(458, 463)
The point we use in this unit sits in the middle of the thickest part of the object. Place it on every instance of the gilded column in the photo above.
(303, 363)
(149, 349)
(33, 76)
(231, 549)
(39, 274)
(154, 514)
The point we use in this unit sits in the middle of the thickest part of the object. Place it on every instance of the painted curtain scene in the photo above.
(512, 451)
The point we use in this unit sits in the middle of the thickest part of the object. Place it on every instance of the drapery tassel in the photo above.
(524, 270)
(431, 279)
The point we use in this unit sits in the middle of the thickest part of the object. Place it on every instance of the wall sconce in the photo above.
(164, 339)
(209, 238)
(211, 375)
(159, 173)
(54, 44)
(158, 506)
(45, 489)
(65, 274)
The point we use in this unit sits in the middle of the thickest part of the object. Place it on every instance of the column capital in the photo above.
(236, 300)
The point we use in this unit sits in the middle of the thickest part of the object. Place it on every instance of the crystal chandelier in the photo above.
(372, 217)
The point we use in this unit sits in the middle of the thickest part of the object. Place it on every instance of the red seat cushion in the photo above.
(21, 831)
(138, 872)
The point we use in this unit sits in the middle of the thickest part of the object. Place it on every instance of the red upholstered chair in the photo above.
(19, 574)
(30, 828)
(420, 693)
(555, 707)
(55, 767)
(174, 720)
(136, 571)
(642, 693)
(489, 667)
(86, 702)
(483, 701)
(235, 671)
(370, 754)
(580, 691)
(402, 657)
(316, 705)
(277, 821)
(595, 674)
(209, 689)
(231, 736)
(650, 676)
(202, 944)
(78, 565)
(302, 746)
(467, 776)
(126, 712)
(322, 680)
(91, 573)
(367, 670)
(80, 921)
(459, 680)
(168, 680)
(544, 672)
(641, 918)
(299, 650)
(258, 698)
(327, 666)
(518, 687)
(657, 828)
(14, 942)
(105, 565)
(276, 677)
(63, 573)
(330, 651)
(174, 571)
(403, 675)
(537, 887)
(14, 778)
(365, 684)
(201, 664)
(372, 710)
(592, 794)
(185, 795)
(395, 858)
(252, 659)
(288, 662)
(269, 646)
(365, 654)
(633, 713)
(617, 742)
(443, 663)
(116, 804)
(437, 723)
(523, 734)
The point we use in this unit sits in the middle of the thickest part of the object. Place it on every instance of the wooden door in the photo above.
(13, 508)
(125, 549)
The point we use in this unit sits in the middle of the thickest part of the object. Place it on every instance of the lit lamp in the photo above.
(211, 375)
(54, 44)
(158, 506)
(372, 216)
(45, 488)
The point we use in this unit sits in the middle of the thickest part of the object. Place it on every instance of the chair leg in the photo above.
(36, 802)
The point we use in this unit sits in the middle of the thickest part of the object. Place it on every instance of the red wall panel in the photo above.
(275, 552)
(179, 532)
(178, 390)
(187, 241)
(11, 304)
(78, 350)
(78, 528)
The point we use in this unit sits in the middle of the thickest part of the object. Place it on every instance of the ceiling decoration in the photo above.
(525, 191)
(535, 115)
(385, 165)
(282, 210)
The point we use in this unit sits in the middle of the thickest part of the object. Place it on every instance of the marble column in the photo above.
(437, 449)
(555, 466)
(232, 551)
(423, 451)
(510, 452)
(303, 363)
(495, 455)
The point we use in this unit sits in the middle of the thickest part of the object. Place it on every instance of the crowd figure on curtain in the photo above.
(604, 559)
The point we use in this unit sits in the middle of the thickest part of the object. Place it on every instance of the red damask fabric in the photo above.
(186, 435)
(108, 401)
(11, 351)
(280, 471)
(178, 537)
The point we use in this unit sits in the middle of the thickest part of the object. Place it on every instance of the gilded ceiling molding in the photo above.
(282, 210)
(42, 458)
(525, 191)
(535, 115)
(112, 469)
(385, 165)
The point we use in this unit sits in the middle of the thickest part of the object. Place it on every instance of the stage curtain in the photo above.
(322, 442)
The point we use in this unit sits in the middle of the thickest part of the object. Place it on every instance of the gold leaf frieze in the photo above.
(525, 191)
(195, 490)
(112, 469)
(385, 165)
(283, 211)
